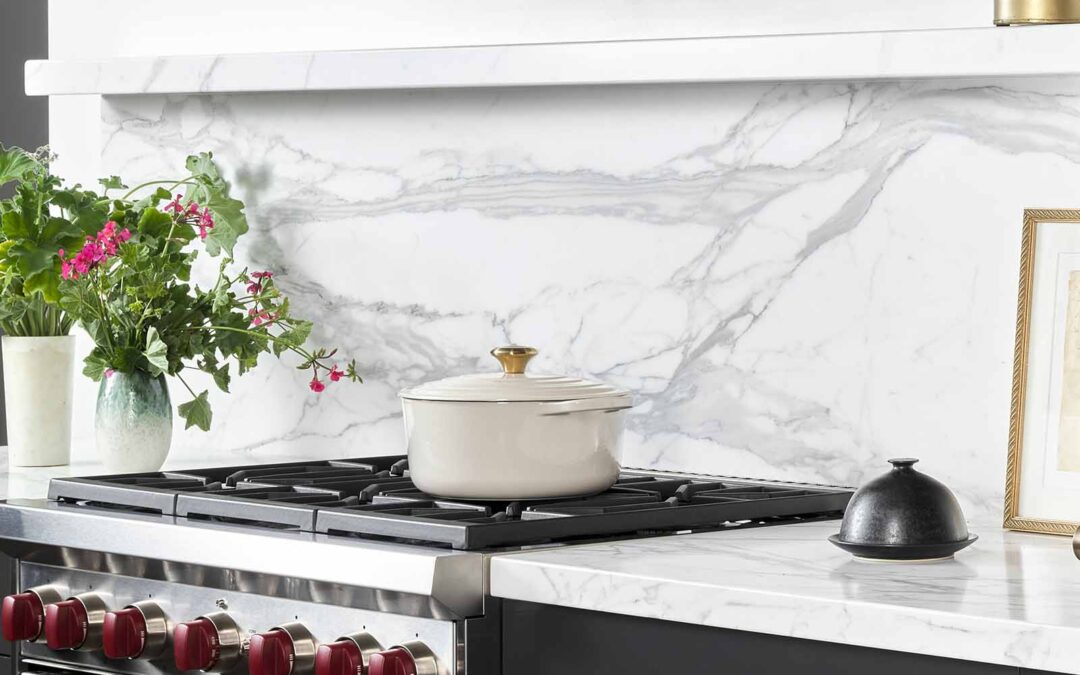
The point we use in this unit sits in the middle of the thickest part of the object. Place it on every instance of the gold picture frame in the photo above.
(1014, 520)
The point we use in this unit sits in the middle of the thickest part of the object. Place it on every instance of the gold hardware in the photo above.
(1020, 12)
(513, 358)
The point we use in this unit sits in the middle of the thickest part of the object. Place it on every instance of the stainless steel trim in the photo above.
(230, 641)
(96, 607)
(366, 643)
(325, 618)
(47, 595)
(157, 629)
(304, 646)
(454, 580)
(423, 657)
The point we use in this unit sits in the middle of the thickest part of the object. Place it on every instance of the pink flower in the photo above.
(175, 205)
(124, 235)
(335, 374)
(316, 385)
(192, 208)
(109, 372)
(255, 287)
(206, 222)
(66, 271)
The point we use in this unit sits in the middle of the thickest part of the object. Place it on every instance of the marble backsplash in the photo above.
(799, 281)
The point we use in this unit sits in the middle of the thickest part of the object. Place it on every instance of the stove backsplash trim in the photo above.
(800, 280)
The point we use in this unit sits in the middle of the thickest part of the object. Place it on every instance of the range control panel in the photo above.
(90, 620)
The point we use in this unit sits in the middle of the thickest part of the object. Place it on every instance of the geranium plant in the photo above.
(129, 285)
(39, 218)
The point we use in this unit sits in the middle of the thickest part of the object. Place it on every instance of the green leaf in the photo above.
(154, 223)
(60, 231)
(197, 412)
(46, 282)
(32, 259)
(222, 379)
(16, 164)
(292, 338)
(95, 367)
(112, 183)
(212, 191)
(14, 227)
(156, 353)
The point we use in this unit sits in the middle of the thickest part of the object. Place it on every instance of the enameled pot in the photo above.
(514, 435)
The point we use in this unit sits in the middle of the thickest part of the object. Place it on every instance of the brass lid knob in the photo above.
(513, 358)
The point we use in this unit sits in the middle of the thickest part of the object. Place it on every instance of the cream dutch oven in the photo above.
(514, 435)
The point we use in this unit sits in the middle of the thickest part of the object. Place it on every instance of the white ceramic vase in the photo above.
(133, 424)
(38, 375)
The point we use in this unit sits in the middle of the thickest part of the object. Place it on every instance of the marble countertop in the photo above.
(1011, 598)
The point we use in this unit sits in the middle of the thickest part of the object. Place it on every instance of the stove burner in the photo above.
(374, 497)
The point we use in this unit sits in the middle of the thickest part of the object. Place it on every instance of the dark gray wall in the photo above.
(24, 121)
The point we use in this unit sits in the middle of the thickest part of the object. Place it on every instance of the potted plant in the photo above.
(130, 286)
(40, 217)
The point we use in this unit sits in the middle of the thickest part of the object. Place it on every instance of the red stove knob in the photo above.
(285, 650)
(348, 655)
(138, 631)
(195, 645)
(22, 615)
(396, 661)
(75, 623)
(66, 624)
(271, 653)
(408, 658)
(339, 658)
(124, 633)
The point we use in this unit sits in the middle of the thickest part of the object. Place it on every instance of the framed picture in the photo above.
(1042, 485)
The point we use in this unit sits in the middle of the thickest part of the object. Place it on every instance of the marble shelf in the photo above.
(888, 55)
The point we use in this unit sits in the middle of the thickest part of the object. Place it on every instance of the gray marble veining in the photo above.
(799, 280)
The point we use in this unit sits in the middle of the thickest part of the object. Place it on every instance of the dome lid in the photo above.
(512, 384)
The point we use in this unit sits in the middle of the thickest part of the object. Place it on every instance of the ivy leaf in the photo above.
(222, 379)
(112, 183)
(16, 164)
(196, 412)
(95, 367)
(157, 353)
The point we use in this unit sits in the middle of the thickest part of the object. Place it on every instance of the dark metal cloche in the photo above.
(903, 515)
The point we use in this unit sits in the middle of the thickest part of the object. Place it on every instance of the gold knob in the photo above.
(513, 358)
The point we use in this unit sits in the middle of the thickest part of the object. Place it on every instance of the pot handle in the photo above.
(585, 405)
(513, 358)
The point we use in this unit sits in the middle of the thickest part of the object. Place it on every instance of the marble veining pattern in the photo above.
(1011, 599)
(799, 280)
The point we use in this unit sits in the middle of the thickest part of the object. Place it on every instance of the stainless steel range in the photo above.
(335, 567)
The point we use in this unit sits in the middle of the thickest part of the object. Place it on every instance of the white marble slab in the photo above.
(941, 53)
(798, 281)
(1011, 599)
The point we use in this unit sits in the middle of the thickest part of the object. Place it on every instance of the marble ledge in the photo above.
(890, 55)
(1011, 599)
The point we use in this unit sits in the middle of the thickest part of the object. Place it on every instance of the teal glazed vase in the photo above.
(133, 422)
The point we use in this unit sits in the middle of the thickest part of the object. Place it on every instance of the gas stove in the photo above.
(337, 567)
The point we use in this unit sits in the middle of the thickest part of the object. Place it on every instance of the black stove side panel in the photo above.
(544, 639)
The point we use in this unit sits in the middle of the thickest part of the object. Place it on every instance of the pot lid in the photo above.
(512, 384)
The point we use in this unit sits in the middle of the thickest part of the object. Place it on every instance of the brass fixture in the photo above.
(1027, 12)
(513, 358)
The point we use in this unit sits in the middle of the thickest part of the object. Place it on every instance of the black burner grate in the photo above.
(374, 497)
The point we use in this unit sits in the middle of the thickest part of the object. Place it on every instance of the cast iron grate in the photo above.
(374, 498)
